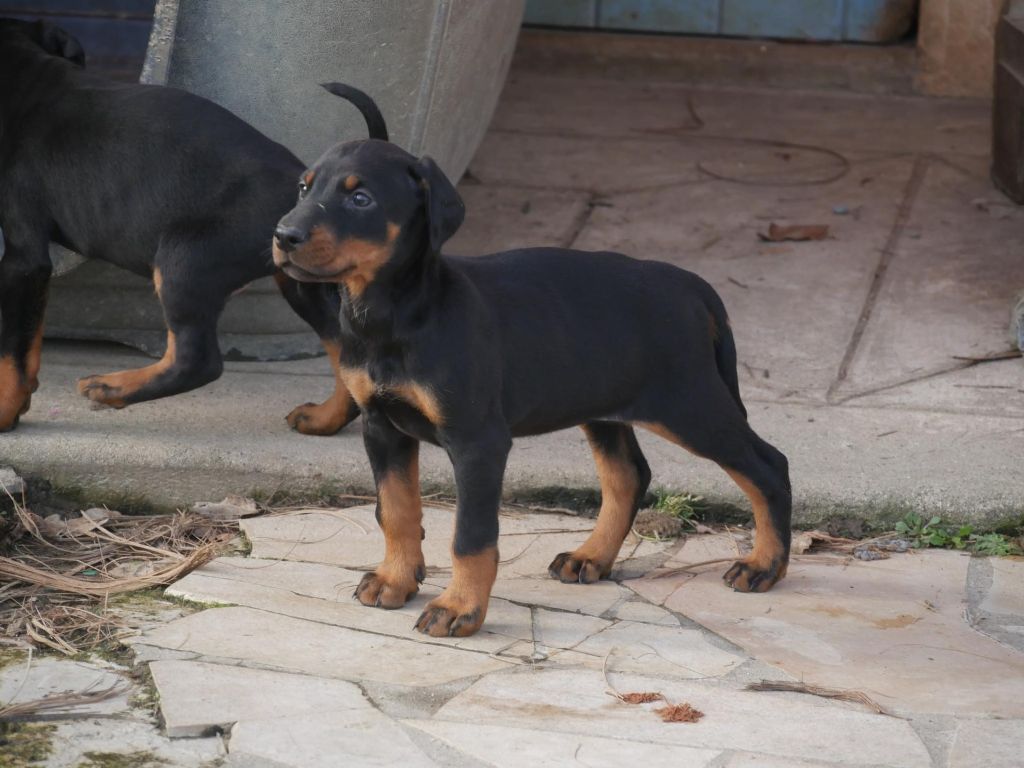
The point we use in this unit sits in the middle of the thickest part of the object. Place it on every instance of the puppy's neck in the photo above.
(398, 301)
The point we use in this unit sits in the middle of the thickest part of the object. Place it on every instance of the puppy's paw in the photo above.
(381, 589)
(104, 390)
(575, 567)
(752, 574)
(326, 418)
(449, 616)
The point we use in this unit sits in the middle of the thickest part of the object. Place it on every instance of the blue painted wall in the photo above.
(869, 21)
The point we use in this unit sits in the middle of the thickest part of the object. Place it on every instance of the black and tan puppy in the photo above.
(158, 181)
(468, 353)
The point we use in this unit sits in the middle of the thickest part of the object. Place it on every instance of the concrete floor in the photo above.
(856, 352)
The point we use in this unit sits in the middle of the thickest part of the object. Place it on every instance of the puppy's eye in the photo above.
(361, 200)
(303, 189)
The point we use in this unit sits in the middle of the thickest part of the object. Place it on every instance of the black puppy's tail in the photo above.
(725, 344)
(375, 124)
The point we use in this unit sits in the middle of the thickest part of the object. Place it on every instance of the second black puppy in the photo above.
(153, 179)
(467, 353)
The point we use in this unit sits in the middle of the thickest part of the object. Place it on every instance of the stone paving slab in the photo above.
(197, 697)
(894, 629)
(49, 675)
(504, 747)
(327, 739)
(577, 702)
(283, 643)
(988, 744)
(956, 254)
(1006, 595)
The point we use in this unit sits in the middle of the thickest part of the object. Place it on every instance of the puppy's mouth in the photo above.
(296, 272)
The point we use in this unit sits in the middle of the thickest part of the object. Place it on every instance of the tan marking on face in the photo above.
(351, 182)
(619, 486)
(367, 257)
(307, 179)
(352, 262)
(113, 389)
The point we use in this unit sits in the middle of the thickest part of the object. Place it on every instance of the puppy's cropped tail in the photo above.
(375, 124)
(725, 344)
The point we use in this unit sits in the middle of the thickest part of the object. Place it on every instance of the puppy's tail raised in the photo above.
(375, 124)
(725, 344)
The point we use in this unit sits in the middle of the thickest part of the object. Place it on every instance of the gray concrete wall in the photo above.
(435, 67)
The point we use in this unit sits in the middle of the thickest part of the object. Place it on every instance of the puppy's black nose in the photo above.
(289, 238)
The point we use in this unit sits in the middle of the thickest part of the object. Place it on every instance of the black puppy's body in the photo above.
(158, 181)
(468, 353)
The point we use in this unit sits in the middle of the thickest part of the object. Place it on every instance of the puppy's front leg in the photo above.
(479, 468)
(394, 458)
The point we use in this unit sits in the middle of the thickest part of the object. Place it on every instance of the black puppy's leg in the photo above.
(318, 305)
(24, 277)
(394, 458)
(479, 469)
(624, 476)
(192, 358)
(713, 427)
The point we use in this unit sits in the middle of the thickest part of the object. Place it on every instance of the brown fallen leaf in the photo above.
(679, 713)
(640, 697)
(795, 232)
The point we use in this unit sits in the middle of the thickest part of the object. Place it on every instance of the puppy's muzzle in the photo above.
(289, 238)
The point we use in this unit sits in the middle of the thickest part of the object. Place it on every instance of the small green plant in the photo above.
(920, 533)
(995, 545)
(682, 505)
(932, 533)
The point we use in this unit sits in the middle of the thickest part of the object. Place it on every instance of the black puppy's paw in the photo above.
(445, 617)
(754, 574)
(377, 590)
(569, 568)
(101, 392)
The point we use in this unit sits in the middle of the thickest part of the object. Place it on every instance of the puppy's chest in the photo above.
(411, 405)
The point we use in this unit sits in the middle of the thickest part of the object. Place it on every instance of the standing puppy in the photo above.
(467, 353)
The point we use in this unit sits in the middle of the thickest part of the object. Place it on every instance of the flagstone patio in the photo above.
(294, 671)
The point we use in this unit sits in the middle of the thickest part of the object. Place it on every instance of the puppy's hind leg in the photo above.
(712, 426)
(624, 476)
(192, 359)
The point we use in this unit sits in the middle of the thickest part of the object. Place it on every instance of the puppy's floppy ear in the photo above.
(444, 208)
(58, 42)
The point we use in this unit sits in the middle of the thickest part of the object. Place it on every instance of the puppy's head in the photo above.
(366, 208)
(41, 34)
